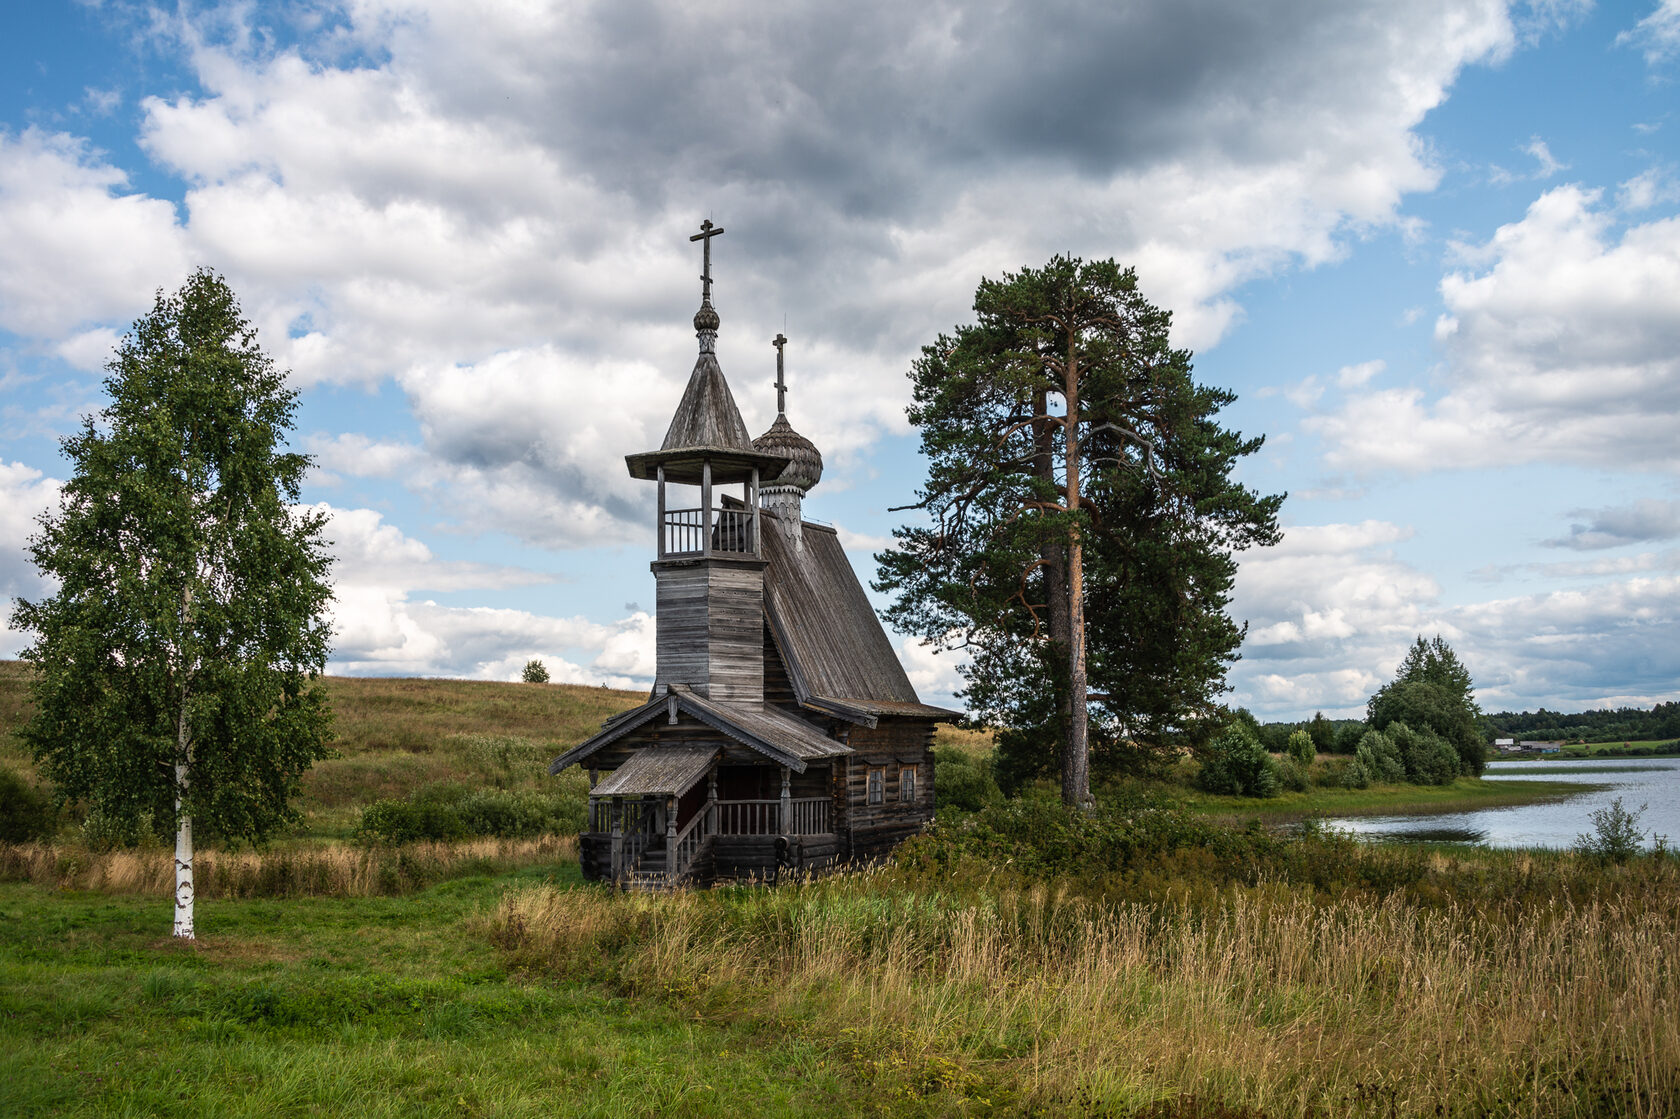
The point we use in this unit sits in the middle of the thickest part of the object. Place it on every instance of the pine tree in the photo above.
(1083, 516)
(176, 665)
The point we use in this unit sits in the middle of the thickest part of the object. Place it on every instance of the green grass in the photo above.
(366, 1007)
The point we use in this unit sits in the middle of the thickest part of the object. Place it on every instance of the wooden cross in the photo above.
(781, 385)
(707, 232)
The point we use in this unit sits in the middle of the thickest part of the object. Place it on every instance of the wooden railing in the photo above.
(690, 840)
(686, 531)
(810, 816)
(749, 817)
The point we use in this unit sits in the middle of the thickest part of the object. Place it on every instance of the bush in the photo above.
(1292, 776)
(448, 811)
(963, 781)
(1235, 765)
(1301, 748)
(1430, 760)
(1348, 736)
(1380, 758)
(535, 672)
(25, 812)
(1357, 774)
(1617, 836)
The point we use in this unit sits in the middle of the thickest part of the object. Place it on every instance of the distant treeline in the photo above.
(1623, 724)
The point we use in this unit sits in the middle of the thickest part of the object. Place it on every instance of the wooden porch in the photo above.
(662, 840)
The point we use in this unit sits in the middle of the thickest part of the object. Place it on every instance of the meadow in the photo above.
(1155, 959)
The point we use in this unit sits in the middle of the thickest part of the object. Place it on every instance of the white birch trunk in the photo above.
(183, 858)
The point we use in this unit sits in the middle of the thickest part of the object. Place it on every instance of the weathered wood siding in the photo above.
(711, 627)
(872, 830)
(755, 857)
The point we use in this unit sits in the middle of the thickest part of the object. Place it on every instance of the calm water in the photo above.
(1650, 781)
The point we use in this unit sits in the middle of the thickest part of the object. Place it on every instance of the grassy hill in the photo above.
(399, 735)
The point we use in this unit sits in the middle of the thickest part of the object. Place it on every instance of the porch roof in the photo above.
(658, 770)
(762, 727)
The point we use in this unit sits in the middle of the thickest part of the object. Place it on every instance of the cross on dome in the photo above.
(781, 384)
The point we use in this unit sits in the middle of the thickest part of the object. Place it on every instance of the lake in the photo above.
(1650, 781)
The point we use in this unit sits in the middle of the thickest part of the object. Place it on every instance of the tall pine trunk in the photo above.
(1076, 758)
(1053, 555)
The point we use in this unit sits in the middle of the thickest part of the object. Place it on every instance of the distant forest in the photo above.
(1623, 724)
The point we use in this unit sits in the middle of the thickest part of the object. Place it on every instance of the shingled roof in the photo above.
(837, 655)
(708, 425)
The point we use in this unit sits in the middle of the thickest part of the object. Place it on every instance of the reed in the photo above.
(1268, 998)
(332, 870)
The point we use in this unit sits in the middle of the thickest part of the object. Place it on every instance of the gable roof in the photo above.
(671, 770)
(769, 730)
(836, 652)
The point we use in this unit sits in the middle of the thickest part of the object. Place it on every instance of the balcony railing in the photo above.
(685, 532)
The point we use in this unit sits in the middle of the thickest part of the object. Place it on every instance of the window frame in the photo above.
(907, 772)
(875, 786)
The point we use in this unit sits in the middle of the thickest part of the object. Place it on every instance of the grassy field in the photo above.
(1148, 962)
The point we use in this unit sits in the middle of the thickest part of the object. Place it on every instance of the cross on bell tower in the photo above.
(781, 384)
(707, 232)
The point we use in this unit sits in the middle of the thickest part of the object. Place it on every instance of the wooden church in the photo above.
(782, 733)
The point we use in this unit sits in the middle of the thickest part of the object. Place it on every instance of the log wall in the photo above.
(711, 627)
(873, 830)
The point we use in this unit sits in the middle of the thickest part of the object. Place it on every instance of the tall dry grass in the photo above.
(1269, 1000)
(334, 870)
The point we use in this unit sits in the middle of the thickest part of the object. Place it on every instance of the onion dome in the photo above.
(706, 318)
(804, 468)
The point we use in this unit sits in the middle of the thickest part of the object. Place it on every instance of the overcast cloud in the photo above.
(483, 210)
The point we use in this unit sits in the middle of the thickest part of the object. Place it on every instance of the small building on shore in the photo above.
(782, 733)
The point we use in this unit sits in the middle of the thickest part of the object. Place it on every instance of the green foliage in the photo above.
(1301, 748)
(192, 590)
(26, 813)
(1322, 732)
(1292, 775)
(1235, 765)
(1356, 774)
(449, 810)
(1348, 736)
(1432, 691)
(1380, 757)
(102, 831)
(1157, 523)
(1429, 759)
(1621, 724)
(1617, 836)
(535, 672)
(965, 781)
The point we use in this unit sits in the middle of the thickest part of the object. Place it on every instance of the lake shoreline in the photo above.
(1465, 794)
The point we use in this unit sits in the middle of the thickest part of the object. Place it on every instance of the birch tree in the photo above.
(176, 666)
(1065, 438)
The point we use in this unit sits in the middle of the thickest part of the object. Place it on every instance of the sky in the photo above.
(1433, 247)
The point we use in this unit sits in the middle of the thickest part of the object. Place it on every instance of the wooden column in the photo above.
(670, 839)
(661, 476)
(711, 824)
(752, 503)
(613, 810)
(787, 801)
(706, 507)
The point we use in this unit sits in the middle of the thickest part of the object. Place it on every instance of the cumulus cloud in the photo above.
(490, 204)
(1657, 35)
(1639, 523)
(1564, 345)
(25, 493)
(1332, 609)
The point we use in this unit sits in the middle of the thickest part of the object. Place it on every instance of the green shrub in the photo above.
(1357, 774)
(963, 781)
(449, 810)
(1617, 836)
(1235, 765)
(1430, 759)
(1300, 748)
(1292, 776)
(1381, 758)
(25, 812)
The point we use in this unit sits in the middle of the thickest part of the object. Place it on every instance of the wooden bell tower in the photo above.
(710, 565)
